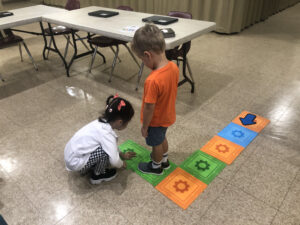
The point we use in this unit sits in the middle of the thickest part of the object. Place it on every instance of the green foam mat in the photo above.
(203, 166)
(143, 155)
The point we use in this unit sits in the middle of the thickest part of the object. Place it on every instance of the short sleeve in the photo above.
(151, 91)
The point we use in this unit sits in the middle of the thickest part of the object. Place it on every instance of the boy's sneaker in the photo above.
(107, 176)
(146, 167)
(164, 165)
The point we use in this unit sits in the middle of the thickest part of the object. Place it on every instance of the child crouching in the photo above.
(94, 147)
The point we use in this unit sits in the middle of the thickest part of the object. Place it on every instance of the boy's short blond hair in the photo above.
(148, 38)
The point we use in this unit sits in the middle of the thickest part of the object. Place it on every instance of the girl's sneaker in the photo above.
(107, 176)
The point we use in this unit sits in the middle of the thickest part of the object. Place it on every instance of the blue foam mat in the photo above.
(238, 134)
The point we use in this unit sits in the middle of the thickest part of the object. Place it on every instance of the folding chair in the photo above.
(103, 42)
(8, 39)
(65, 31)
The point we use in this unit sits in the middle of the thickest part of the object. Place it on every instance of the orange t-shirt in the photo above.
(160, 88)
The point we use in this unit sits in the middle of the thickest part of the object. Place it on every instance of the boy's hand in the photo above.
(147, 117)
(144, 132)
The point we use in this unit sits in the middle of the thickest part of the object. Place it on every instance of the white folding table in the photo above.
(27, 15)
(122, 27)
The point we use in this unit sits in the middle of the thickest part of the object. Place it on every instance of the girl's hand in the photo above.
(128, 155)
(124, 165)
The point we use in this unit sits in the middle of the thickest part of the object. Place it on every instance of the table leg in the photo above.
(139, 76)
(77, 56)
(45, 40)
(56, 49)
(75, 52)
(186, 78)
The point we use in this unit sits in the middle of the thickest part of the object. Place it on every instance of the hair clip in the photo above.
(121, 104)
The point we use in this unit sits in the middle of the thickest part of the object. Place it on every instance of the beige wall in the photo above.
(231, 16)
(0, 4)
(37, 1)
(137, 5)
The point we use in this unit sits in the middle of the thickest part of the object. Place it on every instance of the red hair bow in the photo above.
(121, 104)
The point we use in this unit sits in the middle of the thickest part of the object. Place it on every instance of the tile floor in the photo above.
(257, 70)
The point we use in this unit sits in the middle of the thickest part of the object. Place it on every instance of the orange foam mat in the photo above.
(222, 149)
(181, 187)
(260, 122)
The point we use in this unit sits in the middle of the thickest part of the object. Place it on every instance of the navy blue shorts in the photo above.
(156, 135)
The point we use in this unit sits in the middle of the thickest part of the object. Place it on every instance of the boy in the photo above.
(160, 91)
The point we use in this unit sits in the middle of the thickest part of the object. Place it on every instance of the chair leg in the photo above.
(93, 58)
(20, 50)
(132, 55)
(50, 43)
(1, 78)
(115, 53)
(67, 36)
(84, 44)
(114, 63)
(67, 46)
(30, 56)
(190, 71)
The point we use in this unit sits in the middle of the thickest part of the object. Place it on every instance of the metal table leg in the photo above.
(45, 41)
(139, 76)
(55, 49)
(186, 78)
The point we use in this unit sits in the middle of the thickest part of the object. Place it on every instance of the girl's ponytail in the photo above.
(117, 108)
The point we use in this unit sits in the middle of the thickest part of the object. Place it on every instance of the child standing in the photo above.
(94, 147)
(160, 91)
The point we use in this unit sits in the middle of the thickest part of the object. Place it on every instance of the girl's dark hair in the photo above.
(117, 108)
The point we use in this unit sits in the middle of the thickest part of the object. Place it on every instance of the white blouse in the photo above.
(87, 140)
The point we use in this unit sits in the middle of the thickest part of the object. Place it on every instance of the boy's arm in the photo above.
(147, 117)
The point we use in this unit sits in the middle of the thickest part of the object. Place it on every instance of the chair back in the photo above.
(72, 4)
(185, 47)
(8, 32)
(179, 14)
(1, 35)
(8, 38)
(125, 7)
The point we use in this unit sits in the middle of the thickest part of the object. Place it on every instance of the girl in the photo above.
(94, 147)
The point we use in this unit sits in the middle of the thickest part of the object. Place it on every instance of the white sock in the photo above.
(156, 165)
(165, 157)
